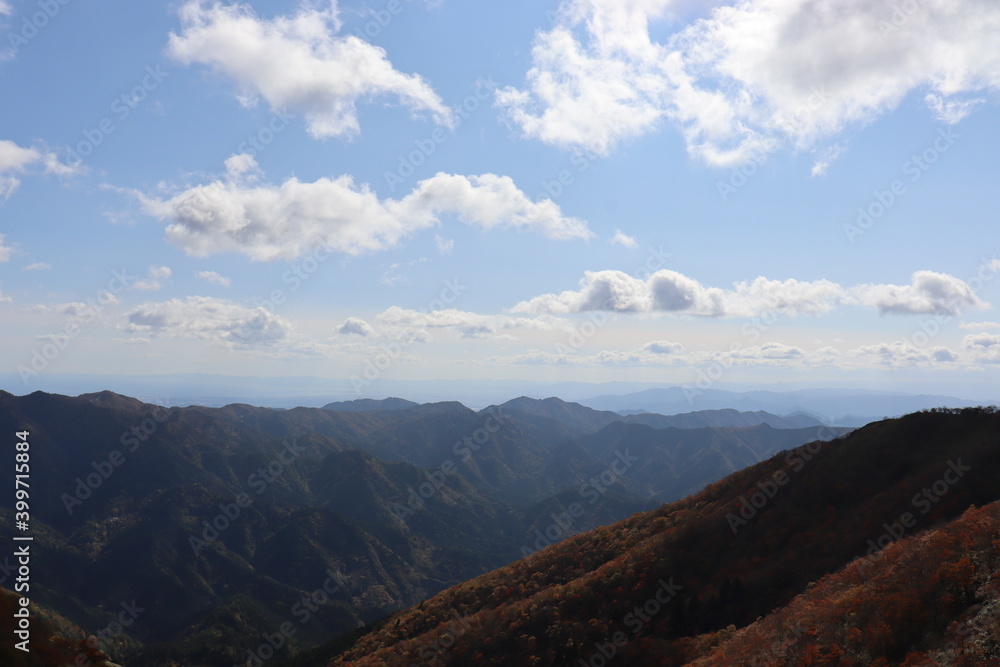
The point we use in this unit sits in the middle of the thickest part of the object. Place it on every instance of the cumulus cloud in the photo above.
(623, 239)
(985, 347)
(16, 160)
(155, 279)
(662, 347)
(270, 222)
(672, 292)
(768, 351)
(751, 75)
(928, 293)
(405, 321)
(298, 63)
(204, 318)
(980, 325)
(38, 266)
(902, 353)
(356, 326)
(668, 291)
(213, 277)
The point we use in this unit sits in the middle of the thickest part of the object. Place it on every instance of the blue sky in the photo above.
(660, 191)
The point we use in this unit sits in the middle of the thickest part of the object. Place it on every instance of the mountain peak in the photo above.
(371, 405)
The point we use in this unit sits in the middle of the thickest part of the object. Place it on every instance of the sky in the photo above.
(662, 191)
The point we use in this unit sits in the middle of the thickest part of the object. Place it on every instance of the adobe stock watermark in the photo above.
(121, 107)
(303, 610)
(901, 13)
(928, 328)
(382, 18)
(424, 148)
(913, 168)
(389, 352)
(125, 618)
(796, 459)
(466, 448)
(130, 441)
(256, 143)
(713, 372)
(924, 501)
(84, 313)
(598, 318)
(790, 123)
(444, 640)
(32, 25)
(259, 482)
(562, 524)
(581, 162)
(777, 652)
(635, 620)
(296, 276)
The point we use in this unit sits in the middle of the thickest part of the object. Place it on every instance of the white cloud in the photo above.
(4, 298)
(768, 351)
(297, 63)
(356, 326)
(16, 159)
(444, 246)
(623, 239)
(391, 277)
(402, 321)
(157, 276)
(665, 353)
(789, 296)
(981, 340)
(901, 353)
(928, 293)
(38, 266)
(751, 74)
(269, 222)
(950, 112)
(213, 277)
(5, 8)
(596, 95)
(670, 291)
(216, 320)
(980, 325)
(662, 347)
(985, 347)
(5, 251)
(826, 157)
(135, 340)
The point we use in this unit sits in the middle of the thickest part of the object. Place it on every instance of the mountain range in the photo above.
(881, 547)
(221, 524)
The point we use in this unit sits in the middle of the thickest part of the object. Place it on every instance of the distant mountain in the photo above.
(218, 521)
(573, 415)
(371, 405)
(878, 548)
(841, 407)
(581, 419)
(727, 418)
(675, 462)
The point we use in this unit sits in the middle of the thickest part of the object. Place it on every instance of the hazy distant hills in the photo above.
(844, 407)
(218, 521)
(582, 418)
(370, 405)
(881, 547)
